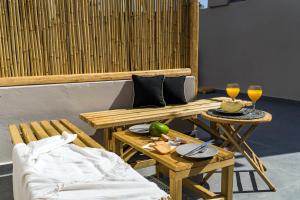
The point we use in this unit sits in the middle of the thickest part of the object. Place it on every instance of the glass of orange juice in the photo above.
(254, 93)
(233, 90)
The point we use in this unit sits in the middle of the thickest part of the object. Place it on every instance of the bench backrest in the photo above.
(39, 102)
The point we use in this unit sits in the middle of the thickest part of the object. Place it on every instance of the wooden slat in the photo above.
(129, 153)
(171, 111)
(27, 133)
(143, 163)
(83, 136)
(76, 78)
(195, 187)
(15, 134)
(51, 131)
(38, 131)
(116, 112)
(146, 117)
(61, 128)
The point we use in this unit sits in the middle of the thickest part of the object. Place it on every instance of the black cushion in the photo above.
(174, 90)
(148, 91)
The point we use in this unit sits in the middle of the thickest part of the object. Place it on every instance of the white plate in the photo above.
(140, 128)
(185, 148)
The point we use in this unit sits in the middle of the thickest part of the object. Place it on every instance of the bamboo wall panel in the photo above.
(62, 37)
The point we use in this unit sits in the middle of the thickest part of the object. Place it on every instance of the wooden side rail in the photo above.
(77, 78)
(32, 131)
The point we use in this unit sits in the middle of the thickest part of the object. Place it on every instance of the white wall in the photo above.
(57, 101)
(252, 42)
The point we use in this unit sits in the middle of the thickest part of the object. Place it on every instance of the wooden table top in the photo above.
(265, 119)
(121, 117)
(172, 160)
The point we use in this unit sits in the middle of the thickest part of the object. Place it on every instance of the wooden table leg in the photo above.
(207, 128)
(227, 182)
(248, 153)
(233, 132)
(117, 147)
(207, 176)
(175, 185)
(107, 139)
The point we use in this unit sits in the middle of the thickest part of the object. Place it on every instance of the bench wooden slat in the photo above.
(116, 112)
(83, 136)
(146, 117)
(51, 131)
(27, 133)
(15, 134)
(61, 128)
(173, 111)
(38, 131)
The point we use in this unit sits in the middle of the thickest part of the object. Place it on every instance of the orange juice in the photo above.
(254, 95)
(233, 92)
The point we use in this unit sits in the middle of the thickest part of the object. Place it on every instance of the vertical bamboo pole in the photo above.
(127, 34)
(19, 42)
(50, 45)
(194, 39)
(78, 37)
(158, 40)
(93, 39)
(122, 36)
(101, 28)
(3, 46)
(150, 34)
(40, 61)
(12, 28)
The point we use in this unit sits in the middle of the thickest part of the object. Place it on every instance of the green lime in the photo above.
(157, 129)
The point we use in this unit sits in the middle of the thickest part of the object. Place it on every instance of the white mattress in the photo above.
(53, 169)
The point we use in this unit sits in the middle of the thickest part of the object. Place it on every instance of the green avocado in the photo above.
(157, 129)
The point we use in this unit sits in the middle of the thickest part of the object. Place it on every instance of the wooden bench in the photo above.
(33, 131)
(121, 117)
(112, 120)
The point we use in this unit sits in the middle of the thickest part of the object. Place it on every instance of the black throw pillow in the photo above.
(174, 90)
(148, 91)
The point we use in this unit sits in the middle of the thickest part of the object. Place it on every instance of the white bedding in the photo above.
(53, 169)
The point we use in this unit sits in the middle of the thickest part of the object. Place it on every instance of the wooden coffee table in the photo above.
(180, 169)
(231, 132)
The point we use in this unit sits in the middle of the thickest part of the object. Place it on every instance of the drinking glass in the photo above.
(233, 90)
(254, 93)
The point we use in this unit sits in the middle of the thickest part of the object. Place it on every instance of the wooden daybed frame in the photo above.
(33, 131)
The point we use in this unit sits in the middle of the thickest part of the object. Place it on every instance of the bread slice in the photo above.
(162, 147)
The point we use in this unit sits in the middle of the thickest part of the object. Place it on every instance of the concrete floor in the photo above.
(277, 143)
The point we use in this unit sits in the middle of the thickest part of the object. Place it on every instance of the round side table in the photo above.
(230, 130)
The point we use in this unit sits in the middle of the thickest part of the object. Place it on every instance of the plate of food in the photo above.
(232, 108)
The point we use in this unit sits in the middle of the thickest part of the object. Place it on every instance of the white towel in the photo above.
(53, 169)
